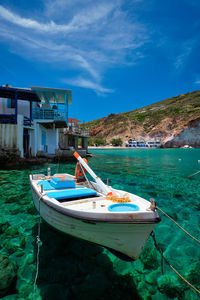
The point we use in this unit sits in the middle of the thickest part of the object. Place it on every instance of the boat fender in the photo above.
(78, 170)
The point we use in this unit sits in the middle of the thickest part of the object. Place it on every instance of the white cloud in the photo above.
(197, 81)
(184, 54)
(78, 22)
(84, 83)
(88, 39)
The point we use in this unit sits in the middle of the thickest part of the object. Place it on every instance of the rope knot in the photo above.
(38, 240)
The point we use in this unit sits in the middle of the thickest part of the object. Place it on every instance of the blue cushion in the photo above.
(46, 185)
(62, 183)
(75, 193)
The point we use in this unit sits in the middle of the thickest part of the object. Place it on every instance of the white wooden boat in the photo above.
(87, 212)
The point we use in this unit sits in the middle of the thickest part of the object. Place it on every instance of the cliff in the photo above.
(174, 121)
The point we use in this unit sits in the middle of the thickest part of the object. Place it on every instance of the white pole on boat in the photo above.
(99, 182)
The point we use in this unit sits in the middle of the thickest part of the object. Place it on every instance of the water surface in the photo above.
(71, 268)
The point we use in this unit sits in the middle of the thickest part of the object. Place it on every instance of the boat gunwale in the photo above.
(64, 211)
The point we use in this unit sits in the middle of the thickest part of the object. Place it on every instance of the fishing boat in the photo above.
(120, 221)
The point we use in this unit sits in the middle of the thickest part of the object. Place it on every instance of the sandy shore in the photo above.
(106, 147)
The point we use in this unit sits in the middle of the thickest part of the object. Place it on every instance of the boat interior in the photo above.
(63, 187)
(84, 196)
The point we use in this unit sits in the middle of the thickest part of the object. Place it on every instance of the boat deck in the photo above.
(100, 205)
(84, 198)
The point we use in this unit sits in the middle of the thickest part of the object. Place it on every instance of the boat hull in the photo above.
(126, 238)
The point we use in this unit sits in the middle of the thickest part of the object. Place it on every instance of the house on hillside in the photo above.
(135, 143)
(73, 124)
(32, 122)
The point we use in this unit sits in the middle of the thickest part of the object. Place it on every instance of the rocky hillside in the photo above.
(174, 121)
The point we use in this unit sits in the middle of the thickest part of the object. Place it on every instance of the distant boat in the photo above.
(122, 222)
(186, 147)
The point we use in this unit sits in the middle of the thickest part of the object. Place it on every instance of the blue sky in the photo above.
(115, 55)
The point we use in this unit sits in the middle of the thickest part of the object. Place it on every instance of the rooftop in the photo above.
(22, 94)
(51, 95)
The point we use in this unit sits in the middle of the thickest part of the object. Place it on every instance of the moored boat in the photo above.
(93, 211)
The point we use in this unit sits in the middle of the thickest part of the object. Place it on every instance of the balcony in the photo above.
(78, 130)
(49, 114)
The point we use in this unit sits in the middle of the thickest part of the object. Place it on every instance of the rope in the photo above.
(161, 253)
(178, 225)
(58, 164)
(88, 182)
(38, 241)
(194, 174)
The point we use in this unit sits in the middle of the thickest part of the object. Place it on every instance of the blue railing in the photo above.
(49, 114)
(27, 121)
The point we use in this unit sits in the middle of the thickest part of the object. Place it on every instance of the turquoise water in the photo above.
(74, 269)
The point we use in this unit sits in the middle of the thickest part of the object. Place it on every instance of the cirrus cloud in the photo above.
(92, 38)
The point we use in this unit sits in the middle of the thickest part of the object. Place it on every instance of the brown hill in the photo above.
(174, 121)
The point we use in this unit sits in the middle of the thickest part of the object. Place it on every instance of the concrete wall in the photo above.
(8, 135)
(23, 107)
(11, 135)
(51, 139)
(3, 107)
(70, 140)
(20, 134)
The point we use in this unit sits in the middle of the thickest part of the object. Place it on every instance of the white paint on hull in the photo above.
(128, 239)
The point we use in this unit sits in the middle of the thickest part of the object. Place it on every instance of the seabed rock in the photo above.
(149, 257)
(170, 286)
(8, 273)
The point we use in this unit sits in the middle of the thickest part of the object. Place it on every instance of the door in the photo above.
(26, 139)
(44, 141)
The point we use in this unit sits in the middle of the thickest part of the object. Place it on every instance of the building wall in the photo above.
(11, 135)
(23, 107)
(51, 139)
(4, 108)
(8, 135)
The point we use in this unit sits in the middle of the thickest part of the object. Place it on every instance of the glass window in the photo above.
(10, 103)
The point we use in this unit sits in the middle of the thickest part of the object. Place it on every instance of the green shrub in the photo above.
(116, 142)
(140, 117)
(95, 141)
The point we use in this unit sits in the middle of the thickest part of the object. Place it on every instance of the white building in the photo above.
(30, 120)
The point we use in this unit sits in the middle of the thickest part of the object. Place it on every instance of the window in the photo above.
(10, 103)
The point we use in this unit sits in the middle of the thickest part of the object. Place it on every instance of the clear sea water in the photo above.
(74, 269)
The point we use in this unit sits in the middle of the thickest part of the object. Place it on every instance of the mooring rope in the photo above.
(178, 225)
(38, 241)
(161, 253)
(194, 174)
(88, 182)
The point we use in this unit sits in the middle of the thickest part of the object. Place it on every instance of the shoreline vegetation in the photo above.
(107, 147)
(132, 148)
